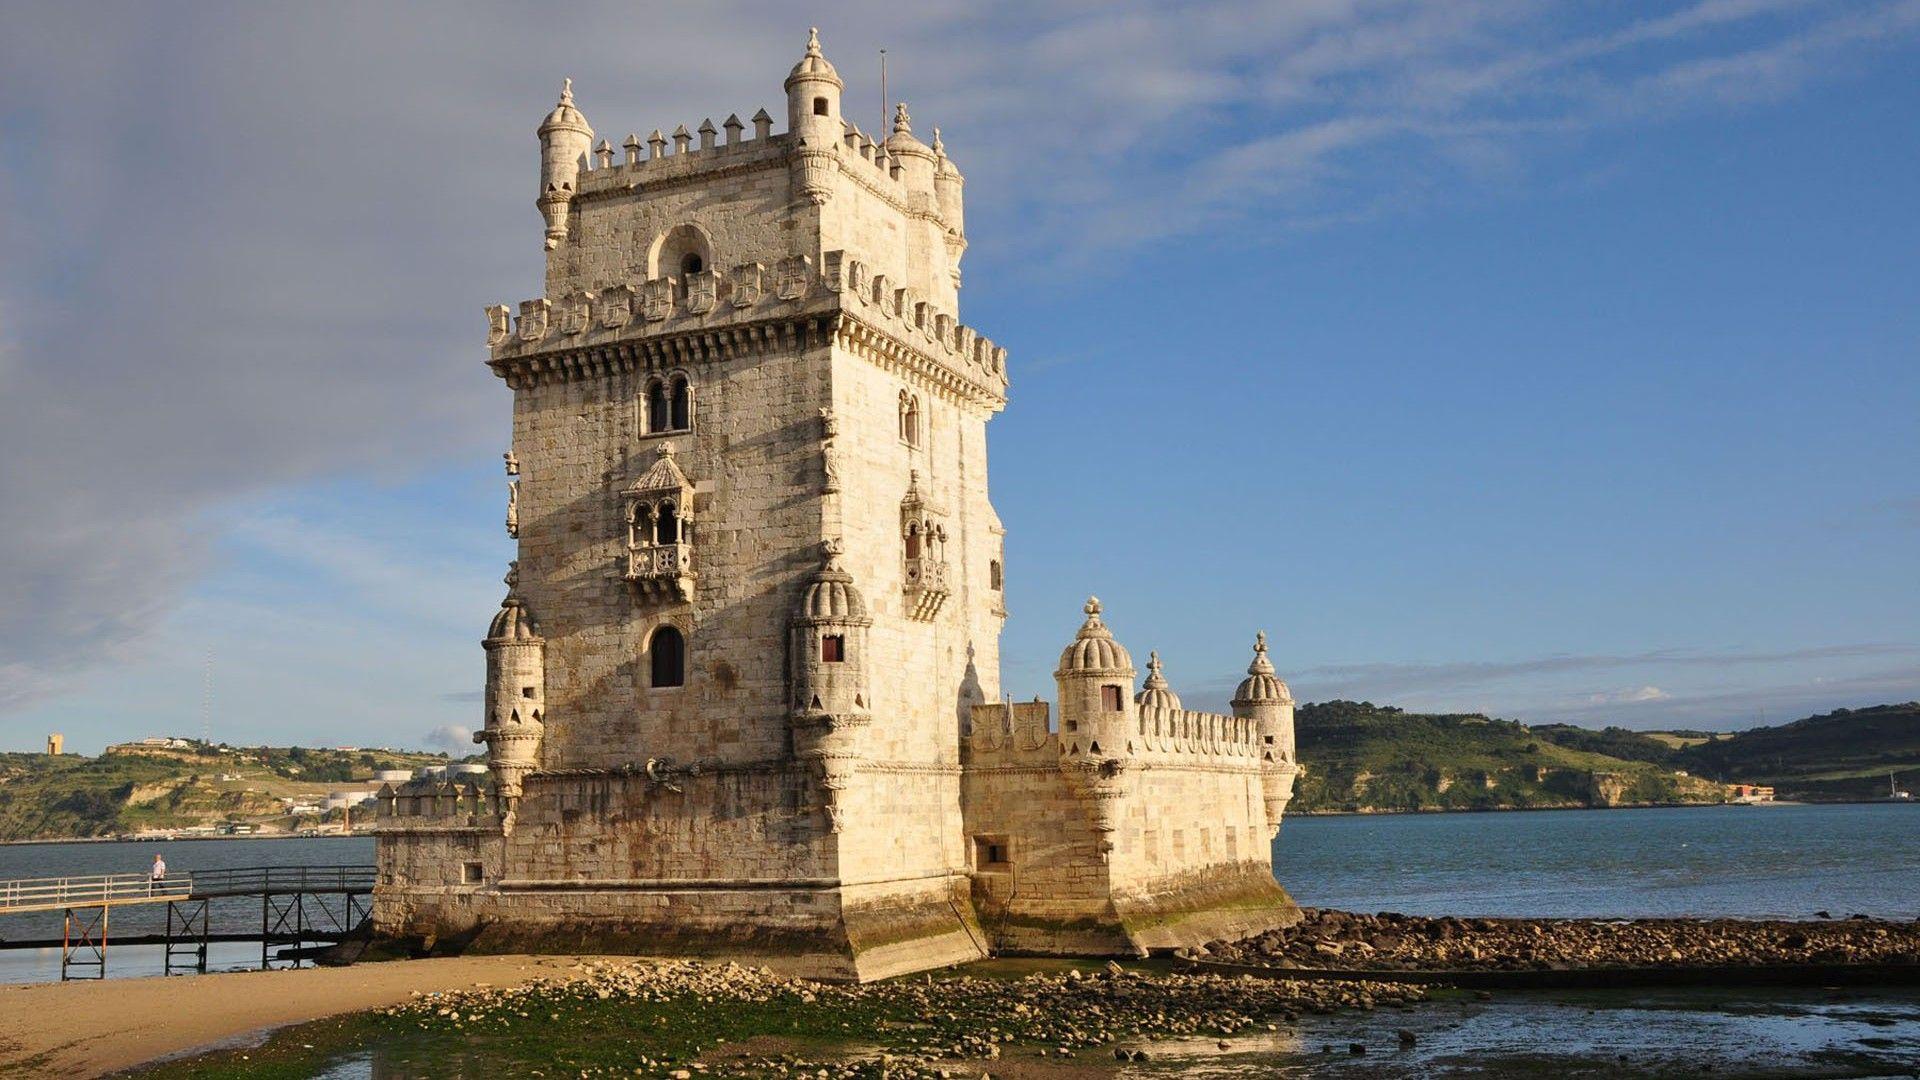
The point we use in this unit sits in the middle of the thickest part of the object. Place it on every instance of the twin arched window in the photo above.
(667, 657)
(655, 523)
(669, 404)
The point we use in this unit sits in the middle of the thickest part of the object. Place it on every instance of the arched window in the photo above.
(833, 648)
(691, 263)
(667, 657)
(910, 421)
(913, 541)
(666, 526)
(682, 414)
(657, 415)
(640, 529)
(903, 415)
(993, 575)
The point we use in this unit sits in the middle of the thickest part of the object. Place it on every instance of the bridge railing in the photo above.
(255, 880)
(40, 893)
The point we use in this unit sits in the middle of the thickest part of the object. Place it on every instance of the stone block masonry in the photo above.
(740, 695)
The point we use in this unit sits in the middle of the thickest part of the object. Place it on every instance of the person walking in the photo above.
(159, 874)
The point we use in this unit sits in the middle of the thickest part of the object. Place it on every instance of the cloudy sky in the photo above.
(1556, 360)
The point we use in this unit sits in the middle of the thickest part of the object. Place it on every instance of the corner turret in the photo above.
(565, 140)
(1265, 699)
(813, 118)
(828, 651)
(1097, 716)
(917, 161)
(516, 695)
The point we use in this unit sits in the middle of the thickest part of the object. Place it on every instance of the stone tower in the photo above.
(756, 612)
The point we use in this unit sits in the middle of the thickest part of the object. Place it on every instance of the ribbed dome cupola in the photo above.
(1156, 694)
(1093, 649)
(1261, 685)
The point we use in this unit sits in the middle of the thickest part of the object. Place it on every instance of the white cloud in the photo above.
(452, 739)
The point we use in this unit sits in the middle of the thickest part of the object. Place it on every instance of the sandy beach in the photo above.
(91, 1028)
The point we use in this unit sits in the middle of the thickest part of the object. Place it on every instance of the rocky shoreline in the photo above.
(1389, 941)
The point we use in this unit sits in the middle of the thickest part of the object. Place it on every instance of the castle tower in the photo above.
(748, 353)
(1097, 717)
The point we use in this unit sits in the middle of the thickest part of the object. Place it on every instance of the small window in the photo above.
(471, 873)
(993, 575)
(819, 106)
(668, 659)
(913, 541)
(833, 649)
(666, 525)
(691, 263)
(526, 691)
(657, 415)
(1111, 698)
(992, 853)
(682, 408)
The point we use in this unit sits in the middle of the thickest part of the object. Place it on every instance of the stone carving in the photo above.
(795, 271)
(574, 313)
(499, 324)
(513, 495)
(533, 319)
(616, 307)
(746, 284)
(703, 291)
(656, 296)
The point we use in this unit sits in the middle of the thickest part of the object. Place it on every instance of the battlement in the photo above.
(1187, 735)
(661, 158)
(893, 323)
(439, 805)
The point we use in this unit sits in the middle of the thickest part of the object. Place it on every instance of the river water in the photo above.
(1761, 861)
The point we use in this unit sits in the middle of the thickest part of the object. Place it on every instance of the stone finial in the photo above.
(667, 450)
(682, 138)
(734, 128)
(762, 125)
(513, 463)
(566, 91)
(632, 146)
(656, 145)
(1153, 668)
(939, 148)
(835, 547)
(813, 41)
(1261, 665)
(605, 153)
(512, 580)
(1092, 607)
(902, 123)
(707, 133)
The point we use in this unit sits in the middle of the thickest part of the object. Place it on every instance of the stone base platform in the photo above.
(1220, 904)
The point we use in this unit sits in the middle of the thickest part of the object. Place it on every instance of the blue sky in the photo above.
(1557, 361)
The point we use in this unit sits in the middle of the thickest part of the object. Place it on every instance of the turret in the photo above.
(948, 191)
(565, 140)
(813, 118)
(827, 647)
(1097, 719)
(516, 694)
(917, 160)
(1263, 698)
(1155, 693)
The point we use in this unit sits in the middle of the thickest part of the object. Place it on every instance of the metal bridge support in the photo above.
(83, 944)
(281, 916)
(186, 936)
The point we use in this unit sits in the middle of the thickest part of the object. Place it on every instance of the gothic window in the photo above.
(666, 525)
(833, 649)
(681, 413)
(658, 418)
(913, 541)
(1110, 698)
(640, 528)
(993, 575)
(667, 657)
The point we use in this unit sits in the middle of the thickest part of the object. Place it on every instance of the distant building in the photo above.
(1749, 793)
(56, 744)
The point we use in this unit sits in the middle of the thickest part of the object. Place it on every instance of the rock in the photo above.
(1356, 1049)
(1407, 1038)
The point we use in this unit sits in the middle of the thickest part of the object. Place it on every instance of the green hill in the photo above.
(133, 789)
(1367, 757)
(1844, 754)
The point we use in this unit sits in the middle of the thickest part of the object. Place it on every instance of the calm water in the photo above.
(1743, 861)
(1788, 861)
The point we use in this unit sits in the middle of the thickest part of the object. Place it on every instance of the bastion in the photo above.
(743, 694)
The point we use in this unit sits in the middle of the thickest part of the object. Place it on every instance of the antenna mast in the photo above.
(206, 702)
(883, 95)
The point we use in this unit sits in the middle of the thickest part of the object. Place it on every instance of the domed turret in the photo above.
(1156, 694)
(949, 195)
(516, 695)
(1263, 698)
(1097, 721)
(827, 645)
(917, 160)
(813, 118)
(565, 140)
(1261, 686)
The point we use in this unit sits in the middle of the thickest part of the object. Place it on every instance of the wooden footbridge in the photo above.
(298, 904)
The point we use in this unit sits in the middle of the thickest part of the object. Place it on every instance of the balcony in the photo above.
(926, 587)
(661, 572)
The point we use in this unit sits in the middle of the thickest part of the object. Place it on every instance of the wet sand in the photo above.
(90, 1028)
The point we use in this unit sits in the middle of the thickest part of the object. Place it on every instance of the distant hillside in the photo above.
(1367, 757)
(1844, 754)
(135, 789)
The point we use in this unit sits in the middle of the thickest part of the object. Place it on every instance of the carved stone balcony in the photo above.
(926, 587)
(661, 571)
